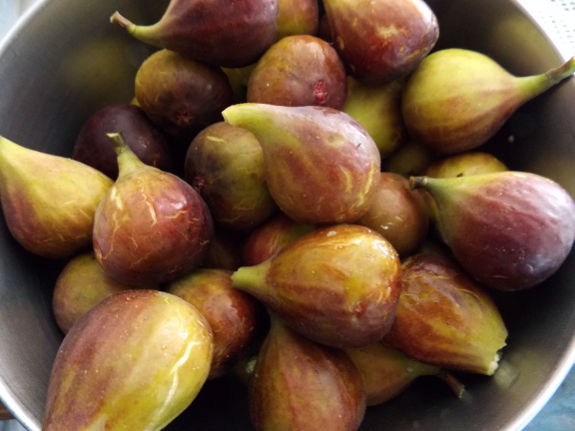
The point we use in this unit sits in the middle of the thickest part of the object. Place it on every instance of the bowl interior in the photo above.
(65, 61)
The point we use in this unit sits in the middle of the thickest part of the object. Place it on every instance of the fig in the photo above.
(136, 360)
(49, 201)
(152, 226)
(464, 164)
(217, 32)
(445, 318)
(411, 158)
(337, 285)
(232, 315)
(145, 139)
(509, 230)
(297, 17)
(224, 251)
(381, 40)
(299, 70)
(225, 164)
(320, 164)
(239, 78)
(477, 97)
(298, 384)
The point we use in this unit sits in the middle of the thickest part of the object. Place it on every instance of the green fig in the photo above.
(445, 318)
(509, 230)
(134, 361)
(152, 226)
(218, 32)
(320, 164)
(457, 99)
(49, 201)
(299, 385)
(297, 17)
(411, 158)
(337, 285)
(465, 164)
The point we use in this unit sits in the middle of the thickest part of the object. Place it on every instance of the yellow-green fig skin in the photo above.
(321, 165)
(133, 362)
(338, 286)
(465, 164)
(445, 318)
(296, 17)
(49, 201)
(457, 99)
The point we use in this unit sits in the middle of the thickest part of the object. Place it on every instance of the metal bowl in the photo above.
(64, 61)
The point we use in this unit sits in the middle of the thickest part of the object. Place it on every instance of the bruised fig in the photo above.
(509, 230)
(49, 201)
(320, 164)
(152, 226)
(477, 97)
(232, 314)
(465, 164)
(297, 17)
(134, 361)
(462, 327)
(218, 32)
(300, 385)
(337, 285)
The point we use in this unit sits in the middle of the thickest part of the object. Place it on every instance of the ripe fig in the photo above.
(49, 201)
(477, 97)
(297, 17)
(320, 164)
(217, 32)
(134, 361)
(411, 158)
(509, 230)
(299, 70)
(145, 139)
(337, 285)
(465, 164)
(462, 327)
(225, 164)
(152, 226)
(298, 384)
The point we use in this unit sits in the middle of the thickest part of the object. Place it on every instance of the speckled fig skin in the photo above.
(298, 384)
(297, 17)
(152, 226)
(49, 201)
(462, 327)
(320, 164)
(338, 285)
(299, 70)
(218, 32)
(233, 315)
(225, 164)
(381, 40)
(509, 230)
(135, 361)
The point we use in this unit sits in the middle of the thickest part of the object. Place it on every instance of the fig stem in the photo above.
(119, 20)
(455, 385)
(251, 279)
(127, 160)
(418, 182)
(118, 142)
(560, 73)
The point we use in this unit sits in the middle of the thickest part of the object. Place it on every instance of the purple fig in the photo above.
(477, 97)
(445, 318)
(298, 384)
(152, 226)
(320, 164)
(509, 230)
(338, 285)
(49, 201)
(218, 32)
(134, 361)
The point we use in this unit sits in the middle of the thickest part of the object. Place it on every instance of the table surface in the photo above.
(557, 17)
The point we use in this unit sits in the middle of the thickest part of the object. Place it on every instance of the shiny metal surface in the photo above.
(65, 60)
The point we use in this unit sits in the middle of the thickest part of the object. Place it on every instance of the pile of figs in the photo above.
(296, 197)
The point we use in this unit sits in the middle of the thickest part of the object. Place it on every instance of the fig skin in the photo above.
(152, 226)
(381, 40)
(411, 158)
(79, 287)
(233, 316)
(465, 164)
(300, 385)
(134, 361)
(49, 201)
(509, 230)
(297, 17)
(398, 213)
(321, 165)
(299, 70)
(462, 325)
(146, 140)
(225, 251)
(225, 164)
(338, 286)
(189, 96)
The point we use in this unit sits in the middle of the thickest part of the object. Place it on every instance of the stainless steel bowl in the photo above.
(65, 60)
